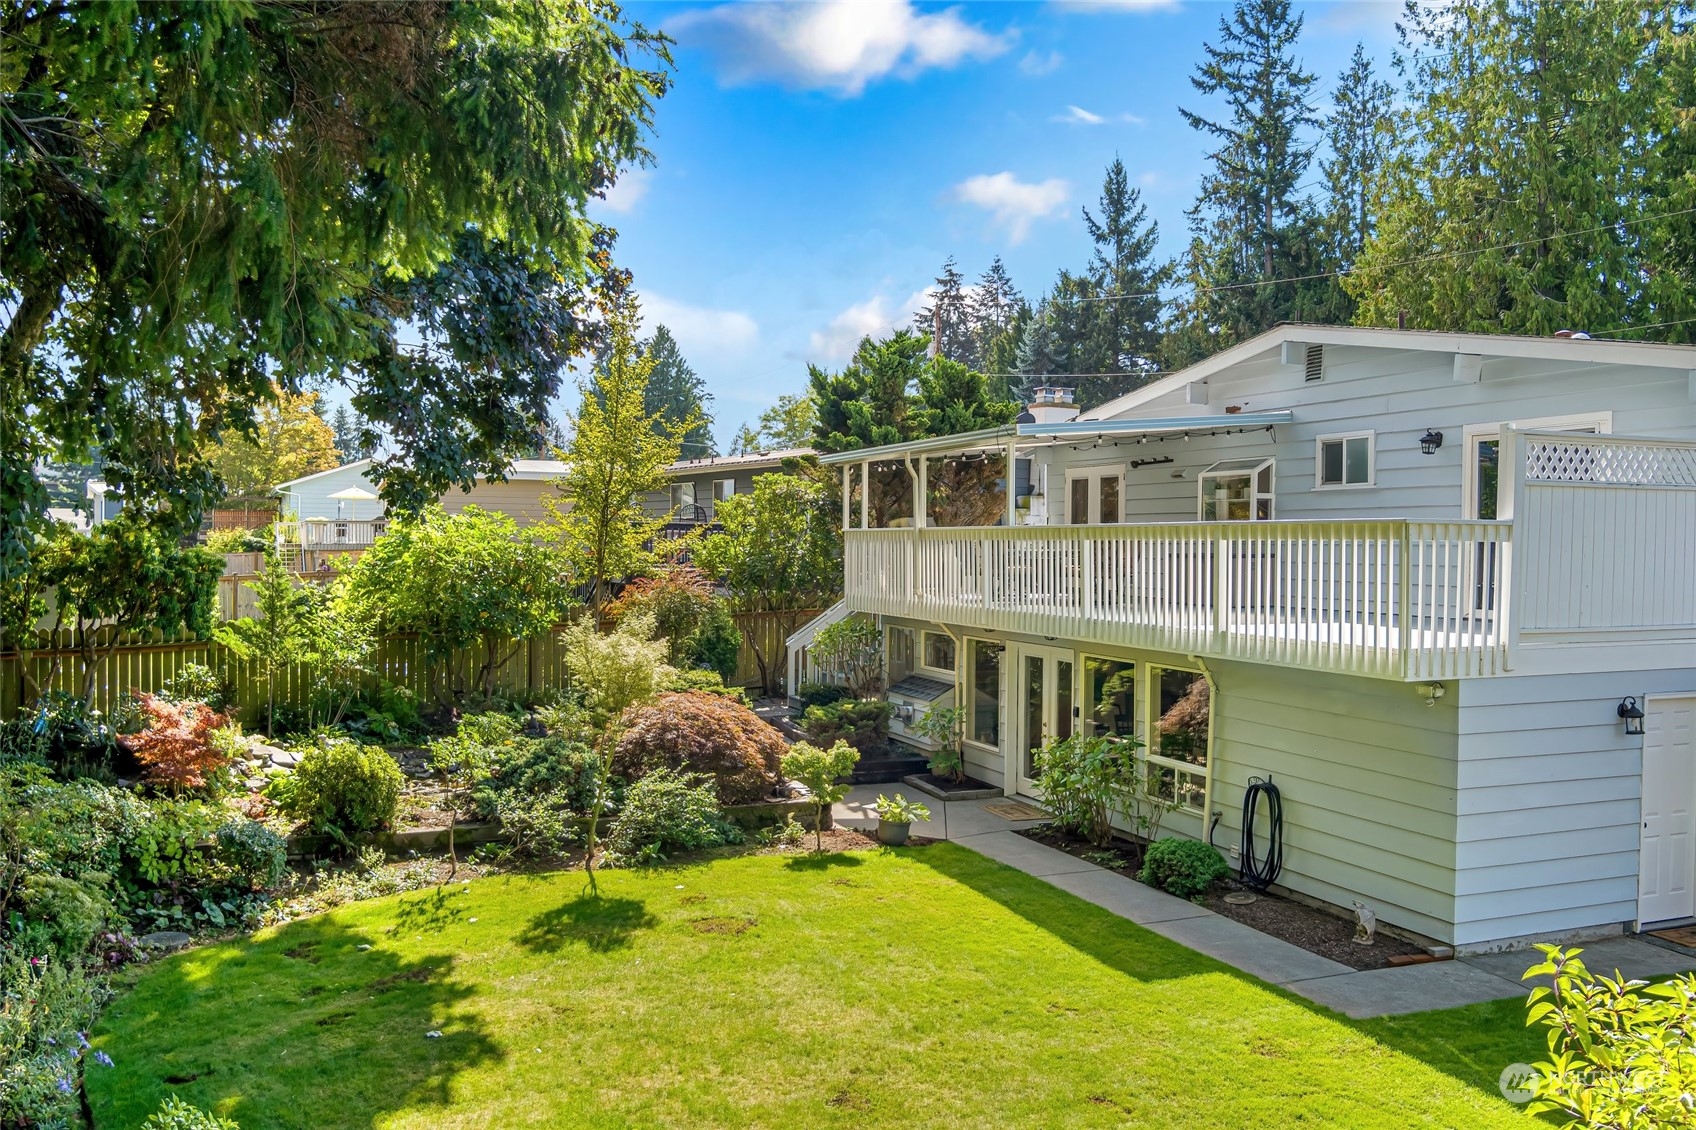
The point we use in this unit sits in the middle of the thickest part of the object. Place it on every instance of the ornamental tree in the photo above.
(465, 580)
(289, 440)
(176, 748)
(778, 551)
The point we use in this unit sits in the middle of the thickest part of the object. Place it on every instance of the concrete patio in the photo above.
(1355, 993)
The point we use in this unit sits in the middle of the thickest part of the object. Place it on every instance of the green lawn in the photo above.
(922, 987)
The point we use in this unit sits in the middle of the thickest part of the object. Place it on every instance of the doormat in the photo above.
(1013, 810)
(1679, 935)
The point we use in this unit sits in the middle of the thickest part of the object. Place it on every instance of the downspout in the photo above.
(1207, 777)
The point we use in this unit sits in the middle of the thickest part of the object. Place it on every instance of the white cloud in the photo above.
(703, 333)
(1041, 63)
(1012, 202)
(627, 191)
(1077, 115)
(836, 45)
(875, 317)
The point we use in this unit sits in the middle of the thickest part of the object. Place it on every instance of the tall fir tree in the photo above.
(1249, 224)
(1552, 175)
(1360, 137)
(676, 393)
(948, 318)
(1119, 296)
(999, 313)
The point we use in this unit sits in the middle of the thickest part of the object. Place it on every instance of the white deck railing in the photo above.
(1390, 599)
(330, 533)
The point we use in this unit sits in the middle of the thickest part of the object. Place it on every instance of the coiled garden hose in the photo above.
(1255, 871)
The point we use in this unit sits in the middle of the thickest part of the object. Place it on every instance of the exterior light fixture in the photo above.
(1633, 715)
(1430, 441)
(1431, 691)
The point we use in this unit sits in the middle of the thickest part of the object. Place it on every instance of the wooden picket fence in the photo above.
(142, 663)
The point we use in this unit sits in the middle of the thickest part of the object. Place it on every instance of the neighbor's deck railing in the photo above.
(1389, 599)
(331, 533)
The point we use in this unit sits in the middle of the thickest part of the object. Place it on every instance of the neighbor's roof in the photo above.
(752, 461)
(362, 463)
(1061, 431)
(1597, 350)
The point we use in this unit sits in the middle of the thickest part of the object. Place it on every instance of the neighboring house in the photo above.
(316, 522)
(103, 505)
(699, 485)
(1419, 581)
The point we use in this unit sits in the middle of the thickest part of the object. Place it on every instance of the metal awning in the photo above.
(1067, 431)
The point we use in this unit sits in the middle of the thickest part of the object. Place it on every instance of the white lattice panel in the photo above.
(1610, 460)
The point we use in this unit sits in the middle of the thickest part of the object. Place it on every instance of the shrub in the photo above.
(821, 770)
(565, 719)
(71, 738)
(900, 810)
(61, 916)
(678, 598)
(820, 694)
(707, 682)
(48, 1005)
(702, 733)
(1621, 1053)
(1185, 868)
(256, 855)
(536, 767)
(175, 1114)
(717, 642)
(176, 748)
(1085, 779)
(169, 844)
(235, 540)
(945, 725)
(477, 745)
(342, 787)
(668, 812)
(196, 682)
(862, 723)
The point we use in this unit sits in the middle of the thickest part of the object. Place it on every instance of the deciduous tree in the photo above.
(288, 439)
(619, 453)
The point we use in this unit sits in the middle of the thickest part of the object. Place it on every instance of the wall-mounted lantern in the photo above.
(1633, 715)
(1430, 441)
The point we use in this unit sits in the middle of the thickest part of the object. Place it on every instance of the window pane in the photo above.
(1356, 470)
(939, 651)
(1110, 498)
(1033, 712)
(1109, 690)
(1488, 450)
(723, 489)
(1181, 726)
(986, 692)
(1062, 699)
(1331, 462)
(1266, 480)
(900, 653)
(1080, 501)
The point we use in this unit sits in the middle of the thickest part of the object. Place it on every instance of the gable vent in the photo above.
(1315, 362)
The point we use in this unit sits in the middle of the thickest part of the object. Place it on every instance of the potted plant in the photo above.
(895, 818)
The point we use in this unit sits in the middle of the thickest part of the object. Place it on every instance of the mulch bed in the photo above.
(1312, 929)
(946, 786)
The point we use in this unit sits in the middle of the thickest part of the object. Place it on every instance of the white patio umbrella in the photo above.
(354, 496)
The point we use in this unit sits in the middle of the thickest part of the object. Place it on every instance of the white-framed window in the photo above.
(983, 693)
(1109, 696)
(938, 654)
(898, 648)
(723, 489)
(1180, 715)
(1236, 490)
(1345, 460)
(683, 500)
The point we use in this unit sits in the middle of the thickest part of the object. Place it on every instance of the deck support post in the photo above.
(847, 496)
(1012, 483)
(866, 494)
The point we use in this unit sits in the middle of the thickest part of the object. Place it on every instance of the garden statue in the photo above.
(1365, 924)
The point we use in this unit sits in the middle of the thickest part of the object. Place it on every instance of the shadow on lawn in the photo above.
(815, 861)
(304, 1029)
(1471, 1045)
(597, 922)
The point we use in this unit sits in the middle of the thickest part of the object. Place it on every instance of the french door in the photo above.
(1094, 495)
(1045, 692)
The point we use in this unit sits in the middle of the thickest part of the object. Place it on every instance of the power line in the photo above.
(1635, 329)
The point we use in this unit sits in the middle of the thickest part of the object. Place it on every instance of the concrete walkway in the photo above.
(1356, 993)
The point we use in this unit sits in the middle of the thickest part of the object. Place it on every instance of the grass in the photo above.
(918, 987)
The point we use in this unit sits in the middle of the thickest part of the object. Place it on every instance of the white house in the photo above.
(338, 510)
(1411, 578)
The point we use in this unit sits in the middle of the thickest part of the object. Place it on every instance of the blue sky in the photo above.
(816, 162)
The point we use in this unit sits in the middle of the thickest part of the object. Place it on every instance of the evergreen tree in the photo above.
(787, 424)
(998, 313)
(1553, 142)
(1359, 132)
(677, 394)
(1120, 305)
(1249, 224)
(948, 318)
(1041, 351)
